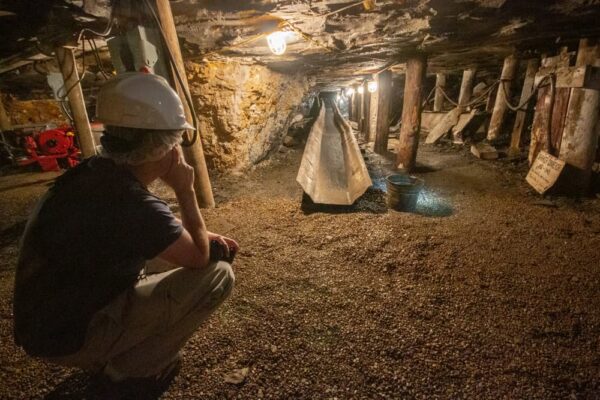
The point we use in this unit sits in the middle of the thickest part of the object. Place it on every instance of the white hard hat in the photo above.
(140, 100)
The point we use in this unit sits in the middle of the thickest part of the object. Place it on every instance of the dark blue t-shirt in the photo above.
(85, 245)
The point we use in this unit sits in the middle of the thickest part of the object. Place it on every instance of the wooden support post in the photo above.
(65, 57)
(509, 70)
(4, 120)
(354, 116)
(194, 155)
(411, 113)
(366, 112)
(466, 92)
(384, 83)
(580, 137)
(360, 110)
(541, 138)
(440, 84)
(373, 111)
(349, 105)
(520, 119)
(466, 86)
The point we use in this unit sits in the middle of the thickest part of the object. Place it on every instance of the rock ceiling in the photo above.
(336, 40)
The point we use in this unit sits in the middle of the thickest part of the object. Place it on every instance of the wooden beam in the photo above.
(360, 111)
(466, 86)
(373, 110)
(366, 112)
(68, 67)
(194, 155)
(545, 106)
(5, 124)
(354, 106)
(466, 92)
(411, 113)
(515, 140)
(440, 84)
(509, 70)
(580, 138)
(384, 83)
(584, 77)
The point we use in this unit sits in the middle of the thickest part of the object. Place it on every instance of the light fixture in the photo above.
(338, 97)
(372, 86)
(361, 89)
(349, 91)
(276, 42)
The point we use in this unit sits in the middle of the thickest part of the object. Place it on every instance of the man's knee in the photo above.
(225, 278)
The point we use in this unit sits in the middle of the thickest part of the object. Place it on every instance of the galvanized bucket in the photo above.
(403, 192)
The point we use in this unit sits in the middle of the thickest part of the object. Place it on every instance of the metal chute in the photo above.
(332, 170)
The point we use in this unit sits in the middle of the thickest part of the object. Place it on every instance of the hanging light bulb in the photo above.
(361, 89)
(276, 42)
(372, 86)
(349, 91)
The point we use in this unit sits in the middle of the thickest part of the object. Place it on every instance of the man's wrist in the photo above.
(185, 192)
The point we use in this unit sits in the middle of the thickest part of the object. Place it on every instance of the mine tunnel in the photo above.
(327, 199)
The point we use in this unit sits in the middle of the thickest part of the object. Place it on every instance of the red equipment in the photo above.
(47, 147)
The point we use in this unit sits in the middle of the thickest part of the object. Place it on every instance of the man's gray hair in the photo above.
(135, 146)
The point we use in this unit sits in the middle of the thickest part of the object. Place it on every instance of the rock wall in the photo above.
(33, 112)
(243, 110)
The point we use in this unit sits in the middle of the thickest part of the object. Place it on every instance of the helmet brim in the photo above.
(189, 126)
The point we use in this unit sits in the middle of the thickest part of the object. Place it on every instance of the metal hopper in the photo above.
(332, 170)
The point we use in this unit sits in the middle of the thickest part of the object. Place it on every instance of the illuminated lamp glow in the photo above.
(276, 42)
(349, 91)
(361, 89)
(372, 86)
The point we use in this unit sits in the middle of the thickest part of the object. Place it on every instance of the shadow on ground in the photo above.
(81, 385)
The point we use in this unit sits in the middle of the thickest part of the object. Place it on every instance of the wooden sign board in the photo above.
(544, 172)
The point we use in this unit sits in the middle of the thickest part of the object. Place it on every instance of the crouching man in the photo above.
(81, 298)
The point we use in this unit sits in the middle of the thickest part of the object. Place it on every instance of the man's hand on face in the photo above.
(179, 176)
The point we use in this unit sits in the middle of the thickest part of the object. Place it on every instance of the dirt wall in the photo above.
(243, 110)
(33, 111)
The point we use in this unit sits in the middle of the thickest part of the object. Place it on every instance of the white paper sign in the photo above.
(544, 172)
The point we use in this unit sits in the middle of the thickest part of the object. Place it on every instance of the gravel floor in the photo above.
(487, 292)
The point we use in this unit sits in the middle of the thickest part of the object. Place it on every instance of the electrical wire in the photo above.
(186, 142)
(97, 57)
(73, 71)
(107, 30)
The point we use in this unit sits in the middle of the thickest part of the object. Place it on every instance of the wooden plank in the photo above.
(585, 77)
(466, 123)
(559, 113)
(539, 129)
(429, 119)
(539, 134)
(443, 127)
(521, 117)
(580, 138)
(484, 151)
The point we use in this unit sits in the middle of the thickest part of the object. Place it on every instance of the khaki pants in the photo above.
(142, 330)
